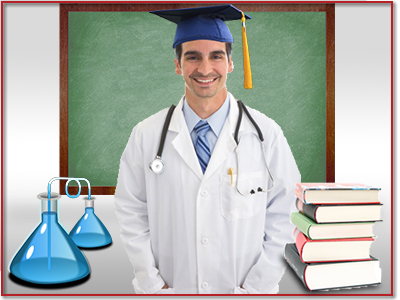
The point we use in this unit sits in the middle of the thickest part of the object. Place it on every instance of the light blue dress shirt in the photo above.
(216, 122)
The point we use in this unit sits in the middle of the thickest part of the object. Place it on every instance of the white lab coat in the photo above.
(194, 232)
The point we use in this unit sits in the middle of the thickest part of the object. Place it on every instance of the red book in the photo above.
(331, 250)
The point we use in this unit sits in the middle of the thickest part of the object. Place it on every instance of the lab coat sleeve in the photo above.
(131, 209)
(265, 275)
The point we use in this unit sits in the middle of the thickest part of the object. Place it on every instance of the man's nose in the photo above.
(205, 67)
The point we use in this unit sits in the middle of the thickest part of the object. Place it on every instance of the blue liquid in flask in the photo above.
(49, 256)
(89, 231)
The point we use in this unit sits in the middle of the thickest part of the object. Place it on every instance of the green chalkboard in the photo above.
(121, 70)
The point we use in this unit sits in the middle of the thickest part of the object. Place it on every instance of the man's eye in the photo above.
(191, 58)
(217, 57)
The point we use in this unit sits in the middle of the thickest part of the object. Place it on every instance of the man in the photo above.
(204, 223)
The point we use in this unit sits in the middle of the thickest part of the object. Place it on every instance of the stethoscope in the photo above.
(158, 165)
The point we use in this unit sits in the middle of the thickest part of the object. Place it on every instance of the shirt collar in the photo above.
(216, 120)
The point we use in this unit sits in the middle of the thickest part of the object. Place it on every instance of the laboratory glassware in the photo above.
(89, 231)
(49, 256)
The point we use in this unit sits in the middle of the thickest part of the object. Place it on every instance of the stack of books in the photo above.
(333, 235)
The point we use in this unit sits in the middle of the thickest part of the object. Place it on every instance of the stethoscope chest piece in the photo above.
(157, 165)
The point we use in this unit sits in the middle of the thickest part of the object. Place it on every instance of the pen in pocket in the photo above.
(230, 172)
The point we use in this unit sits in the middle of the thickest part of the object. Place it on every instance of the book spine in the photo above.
(294, 261)
(301, 240)
(300, 192)
(300, 221)
(307, 209)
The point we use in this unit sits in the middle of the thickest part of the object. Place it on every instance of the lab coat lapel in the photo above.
(226, 143)
(182, 142)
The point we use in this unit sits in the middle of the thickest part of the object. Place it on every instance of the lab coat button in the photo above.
(204, 193)
(204, 241)
(204, 285)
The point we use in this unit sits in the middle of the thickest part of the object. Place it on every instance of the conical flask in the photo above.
(89, 231)
(49, 256)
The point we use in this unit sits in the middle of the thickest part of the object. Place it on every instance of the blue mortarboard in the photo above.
(208, 23)
(202, 23)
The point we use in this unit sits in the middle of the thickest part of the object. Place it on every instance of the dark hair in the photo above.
(178, 51)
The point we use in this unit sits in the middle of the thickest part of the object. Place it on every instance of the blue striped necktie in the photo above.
(202, 147)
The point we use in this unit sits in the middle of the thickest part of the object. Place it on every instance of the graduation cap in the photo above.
(208, 23)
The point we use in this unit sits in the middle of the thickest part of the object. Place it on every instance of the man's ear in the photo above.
(178, 69)
(230, 65)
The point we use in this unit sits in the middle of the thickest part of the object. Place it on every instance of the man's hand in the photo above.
(165, 287)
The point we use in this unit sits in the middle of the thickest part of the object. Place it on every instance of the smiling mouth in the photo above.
(205, 80)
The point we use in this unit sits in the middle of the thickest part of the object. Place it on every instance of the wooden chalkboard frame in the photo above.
(329, 9)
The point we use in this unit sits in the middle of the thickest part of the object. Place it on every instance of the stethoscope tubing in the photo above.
(158, 165)
(164, 130)
(259, 189)
(242, 108)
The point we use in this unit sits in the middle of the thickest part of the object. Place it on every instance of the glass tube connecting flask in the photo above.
(49, 256)
(89, 231)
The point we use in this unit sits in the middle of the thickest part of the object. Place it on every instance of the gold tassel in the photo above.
(248, 83)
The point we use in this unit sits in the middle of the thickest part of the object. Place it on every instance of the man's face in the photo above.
(204, 67)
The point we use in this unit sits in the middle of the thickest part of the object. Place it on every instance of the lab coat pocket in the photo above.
(234, 206)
